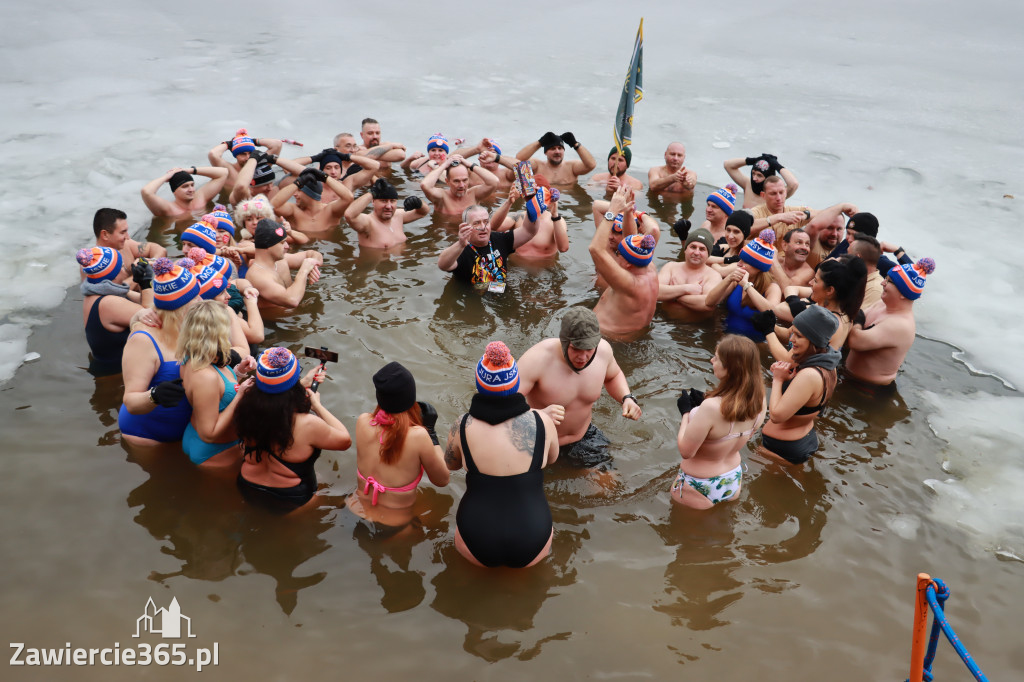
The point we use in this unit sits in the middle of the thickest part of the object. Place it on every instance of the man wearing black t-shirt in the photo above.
(480, 256)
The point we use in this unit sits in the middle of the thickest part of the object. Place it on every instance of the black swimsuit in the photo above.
(284, 499)
(106, 346)
(505, 520)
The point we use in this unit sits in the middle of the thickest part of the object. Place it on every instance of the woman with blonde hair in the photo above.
(204, 346)
(716, 426)
(154, 408)
(395, 445)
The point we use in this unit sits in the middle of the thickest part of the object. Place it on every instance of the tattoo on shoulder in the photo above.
(523, 432)
(451, 459)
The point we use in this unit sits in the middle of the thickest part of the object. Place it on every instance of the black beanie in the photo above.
(396, 389)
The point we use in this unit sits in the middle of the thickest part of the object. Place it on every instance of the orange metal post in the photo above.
(920, 643)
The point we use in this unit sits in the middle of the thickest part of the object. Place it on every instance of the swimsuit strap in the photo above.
(470, 465)
(224, 377)
(155, 344)
(536, 464)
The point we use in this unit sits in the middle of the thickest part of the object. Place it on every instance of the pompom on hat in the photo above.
(241, 143)
(638, 249)
(202, 234)
(438, 141)
(724, 199)
(910, 279)
(760, 252)
(277, 370)
(497, 372)
(99, 263)
(174, 285)
(212, 272)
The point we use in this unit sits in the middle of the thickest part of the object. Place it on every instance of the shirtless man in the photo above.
(187, 199)
(344, 162)
(775, 213)
(383, 226)
(790, 267)
(241, 146)
(385, 153)
(569, 371)
(307, 214)
(616, 176)
(645, 224)
(269, 271)
(554, 167)
(491, 159)
(673, 177)
(868, 249)
(879, 343)
(628, 304)
(761, 167)
(257, 176)
(682, 287)
(437, 153)
(459, 195)
(826, 230)
(111, 229)
(552, 235)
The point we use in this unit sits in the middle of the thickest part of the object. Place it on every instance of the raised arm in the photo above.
(604, 261)
(489, 178)
(218, 176)
(428, 184)
(216, 155)
(529, 150)
(355, 216)
(158, 206)
(587, 161)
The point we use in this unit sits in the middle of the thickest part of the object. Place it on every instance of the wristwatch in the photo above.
(630, 396)
(609, 216)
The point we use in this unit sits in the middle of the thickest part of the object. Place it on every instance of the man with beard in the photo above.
(187, 199)
(480, 256)
(554, 167)
(682, 287)
(790, 267)
(761, 168)
(459, 195)
(673, 177)
(826, 230)
(569, 372)
(616, 176)
(384, 152)
(383, 226)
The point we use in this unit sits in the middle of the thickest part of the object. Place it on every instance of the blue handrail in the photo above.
(937, 593)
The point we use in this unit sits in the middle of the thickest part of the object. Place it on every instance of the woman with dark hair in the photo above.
(724, 257)
(801, 388)
(395, 444)
(504, 518)
(838, 286)
(716, 426)
(283, 428)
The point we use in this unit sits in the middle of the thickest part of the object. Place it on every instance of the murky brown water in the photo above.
(803, 578)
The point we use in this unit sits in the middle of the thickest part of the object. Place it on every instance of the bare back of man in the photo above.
(877, 349)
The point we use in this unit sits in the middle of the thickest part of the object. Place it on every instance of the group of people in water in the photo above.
(184, 332)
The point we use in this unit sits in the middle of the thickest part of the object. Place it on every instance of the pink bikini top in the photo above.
(371, 482)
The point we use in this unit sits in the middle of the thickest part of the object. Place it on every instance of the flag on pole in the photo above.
(632, 92)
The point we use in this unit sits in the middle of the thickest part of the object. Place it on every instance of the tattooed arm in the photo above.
(453, 451)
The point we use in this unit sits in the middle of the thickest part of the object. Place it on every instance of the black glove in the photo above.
(429, 420)
(303, 180)
(570, 140)
(412, 203)
(345, 157)
(167, 393)
(773, 162)
(859, 318)
(796, 305)
(548, 139)
(763, 321)
(689, 399)
(142, 273)
(682, 229)
(315, 173)
(319, 155)
(751, 160)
